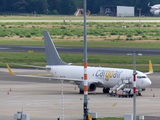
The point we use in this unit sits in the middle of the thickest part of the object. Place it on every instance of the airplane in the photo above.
(98, 77)
(155, 9)
(79, 12)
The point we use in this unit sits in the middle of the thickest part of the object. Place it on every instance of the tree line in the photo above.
(67, 6)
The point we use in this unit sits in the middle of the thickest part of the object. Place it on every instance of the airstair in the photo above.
(120, 84)
(80, 11)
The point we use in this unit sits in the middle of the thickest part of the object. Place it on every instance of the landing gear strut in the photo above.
(106, 90)
(81, 91)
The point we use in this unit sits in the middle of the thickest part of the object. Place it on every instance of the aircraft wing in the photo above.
(39, 67)
(48, 76)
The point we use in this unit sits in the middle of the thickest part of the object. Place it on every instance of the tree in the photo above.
(69, 6)
(39, 6)
(20, 5)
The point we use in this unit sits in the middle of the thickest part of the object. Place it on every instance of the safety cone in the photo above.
(153, 95)
(8, 93)
(10, 90)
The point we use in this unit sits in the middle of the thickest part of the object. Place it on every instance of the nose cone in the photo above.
(147, 83)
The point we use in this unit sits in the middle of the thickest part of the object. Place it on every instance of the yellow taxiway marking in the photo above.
(114, 104)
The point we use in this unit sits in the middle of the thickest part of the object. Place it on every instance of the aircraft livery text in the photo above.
(107, 74)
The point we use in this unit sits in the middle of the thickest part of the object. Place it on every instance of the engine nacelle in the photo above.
(91, 86)
(157, 12)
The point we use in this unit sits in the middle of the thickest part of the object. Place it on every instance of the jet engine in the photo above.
(157, 12)
(91, 86)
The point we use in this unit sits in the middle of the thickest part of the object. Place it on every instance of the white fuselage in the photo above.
(107, 76)
(155, 10)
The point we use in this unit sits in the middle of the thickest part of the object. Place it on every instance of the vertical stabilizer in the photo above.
(52, 56)
(150, 67)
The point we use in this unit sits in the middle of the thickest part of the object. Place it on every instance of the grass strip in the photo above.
(65, 43)
(66, 17)
(115, 61)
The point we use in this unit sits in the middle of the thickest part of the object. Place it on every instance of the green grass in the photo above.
(116, 61)
(64, 34)
(99, 34)
(66, 17)
(22, 43)
(65, 43)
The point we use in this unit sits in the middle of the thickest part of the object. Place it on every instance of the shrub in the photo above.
(129, 35)
(113, 33)
(55, 12)
(28, 35)
(63, 27)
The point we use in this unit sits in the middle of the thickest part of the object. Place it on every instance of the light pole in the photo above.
(85, 78)
(134, 83)
(134, 86)
(139, 15)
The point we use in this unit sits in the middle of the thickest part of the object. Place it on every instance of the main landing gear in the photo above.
(81, 91)
(106, 90)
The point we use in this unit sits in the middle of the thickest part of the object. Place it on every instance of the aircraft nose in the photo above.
(147, 83)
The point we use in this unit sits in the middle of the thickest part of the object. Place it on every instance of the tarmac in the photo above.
(43, 99)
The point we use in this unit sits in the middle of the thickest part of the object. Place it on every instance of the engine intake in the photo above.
(157, 12)
(91, 86)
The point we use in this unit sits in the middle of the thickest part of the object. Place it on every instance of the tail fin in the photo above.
(52, 56)
(150, 68)
(149, 4)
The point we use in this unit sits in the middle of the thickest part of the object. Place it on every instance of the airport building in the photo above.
(119, 11)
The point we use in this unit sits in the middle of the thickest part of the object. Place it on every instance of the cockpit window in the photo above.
(141, 77)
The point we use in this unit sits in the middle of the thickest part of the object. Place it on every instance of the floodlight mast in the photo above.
(85, 104)
(134, 86)
(134, 82)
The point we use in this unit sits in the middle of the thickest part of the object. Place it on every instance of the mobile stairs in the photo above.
(117, 89)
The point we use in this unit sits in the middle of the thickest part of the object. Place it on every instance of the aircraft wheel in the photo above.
(81, 91)
(106, 90)
(139, 94)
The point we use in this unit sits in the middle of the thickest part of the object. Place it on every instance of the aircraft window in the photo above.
(144, 77)
(141, 77)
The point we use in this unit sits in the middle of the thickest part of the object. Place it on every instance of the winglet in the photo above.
(150, 67)
(9, 69)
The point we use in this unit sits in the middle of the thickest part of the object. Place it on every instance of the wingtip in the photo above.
(9, 69)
